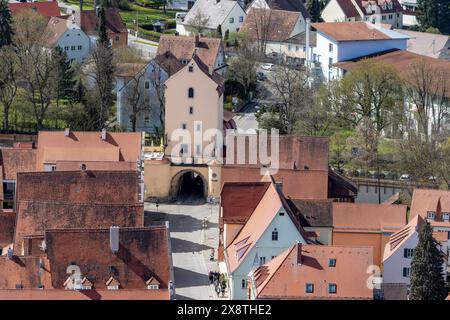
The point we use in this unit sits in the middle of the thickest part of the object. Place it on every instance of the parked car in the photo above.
(404, 177)
(267, 66)
(260, 76)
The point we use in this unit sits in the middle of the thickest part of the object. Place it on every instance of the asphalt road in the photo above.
(191, 246)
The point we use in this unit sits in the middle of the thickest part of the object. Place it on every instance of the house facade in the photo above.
(373, 11)
(227, 14)
(270, 230)
(341, 41)
(67, 35)
(140, 91)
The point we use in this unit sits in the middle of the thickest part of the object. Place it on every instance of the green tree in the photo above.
(314, 8)
(427, 281)
(101, 28)
(6, 31)
(434, 13)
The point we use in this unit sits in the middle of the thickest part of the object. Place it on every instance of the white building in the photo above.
(409, 10)
(374, 11)
(341, 41)
(399, 251)
(142, 85)
(270, 230)
(181, 4)
(227, 14)
(69, 37)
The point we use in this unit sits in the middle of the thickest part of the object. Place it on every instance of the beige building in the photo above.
(194, 116)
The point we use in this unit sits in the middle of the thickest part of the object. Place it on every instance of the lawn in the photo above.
(143, 15)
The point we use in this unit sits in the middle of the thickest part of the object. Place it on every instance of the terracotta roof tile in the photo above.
(362, 4)
(183, 48)
(7, 224)
(424, 200)
(351, 31)
(348, 8)
(46, 8)
(367, 217)
(313, 213)
(289, 273)
(143, 253)
(15, 160)
(89, 20)
(403, 61)
(279, 24)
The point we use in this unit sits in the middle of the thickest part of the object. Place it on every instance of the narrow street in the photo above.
(191, 246)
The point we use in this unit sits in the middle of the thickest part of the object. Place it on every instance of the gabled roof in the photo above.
(277, 25)
(426, 43)
(424, 200)
(239, 199)
(363, 5)
(356, 31)
(46, 8)
(56, 27)
(313, 213)
(286, 276)
(88, 20)
(15, 160)
(397, 239)
(300, 38)
(128, 69)
(217, 78)
(256, 225)
(55, 146)
(168, 62)
(143, 253)
(183, 47)
(216, 11)
(368, 217)
(348, 8)
(403, 62)
(289, 5)
(152, 281)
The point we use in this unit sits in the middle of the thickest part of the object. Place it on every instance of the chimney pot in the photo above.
(114, 239)
(10, 253)
(67, 132)
(103, 134)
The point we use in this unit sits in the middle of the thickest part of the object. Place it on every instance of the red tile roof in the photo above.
(238, 200)
(350, 31)
(403, 62)
(7, 223)
(269, 205)
(424, 200)
(54, 146)
(286, 276)
(183, 48)
(26, 271)
(143, 253)
(46, 8)
(368, 217)
(278, 25)
(362, 4)
(15, 160)
(348, 8)
(89, 20)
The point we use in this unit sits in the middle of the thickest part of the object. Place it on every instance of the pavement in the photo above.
(191, 246)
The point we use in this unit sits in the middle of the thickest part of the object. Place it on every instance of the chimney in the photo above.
(308, 27)
(197, 40)
(66, 132)
(114, 239)
(299, 253)
(103, 134)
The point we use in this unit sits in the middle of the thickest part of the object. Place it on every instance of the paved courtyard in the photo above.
(191, 246)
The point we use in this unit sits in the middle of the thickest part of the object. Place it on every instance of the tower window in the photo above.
(190, 92)
(275, 235)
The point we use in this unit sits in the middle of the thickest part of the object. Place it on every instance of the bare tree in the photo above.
(427, 91)
(260, 26)
(198, 21)
(37, 68)
(136, 97)
(8, 83)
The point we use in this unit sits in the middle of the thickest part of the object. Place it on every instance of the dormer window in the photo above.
(445, 216)
(275, 235)
(152, 284)
(86, 284)
(191, 68)
(112, 284)
(431, 215)
(332, 263)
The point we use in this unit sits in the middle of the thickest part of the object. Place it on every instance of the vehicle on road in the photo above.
(267, 66)
(404, 177)
(260, 76)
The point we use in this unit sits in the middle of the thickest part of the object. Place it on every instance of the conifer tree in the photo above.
(6, 31)
(314, 9)
(427, 282)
